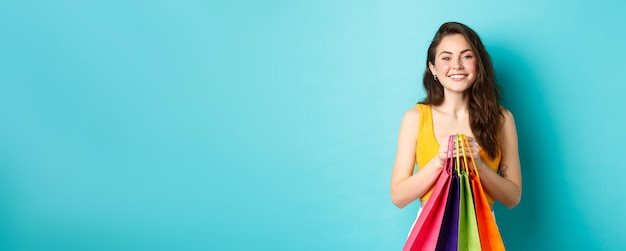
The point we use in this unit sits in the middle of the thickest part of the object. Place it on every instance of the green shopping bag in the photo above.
(468, 226)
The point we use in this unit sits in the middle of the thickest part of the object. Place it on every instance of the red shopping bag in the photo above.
(426, 230)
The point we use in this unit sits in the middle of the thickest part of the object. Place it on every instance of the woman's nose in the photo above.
(456, 64)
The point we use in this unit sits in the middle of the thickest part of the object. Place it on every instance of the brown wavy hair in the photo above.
(485, 111)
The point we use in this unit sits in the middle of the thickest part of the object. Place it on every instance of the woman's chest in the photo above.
(444, 126)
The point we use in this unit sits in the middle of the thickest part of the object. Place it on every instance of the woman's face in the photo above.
(455, 63)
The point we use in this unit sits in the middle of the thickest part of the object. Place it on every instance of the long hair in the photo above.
(485, 112)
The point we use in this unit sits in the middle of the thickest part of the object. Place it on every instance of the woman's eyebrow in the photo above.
(447, 52)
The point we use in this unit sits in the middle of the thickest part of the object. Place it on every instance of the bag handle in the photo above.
(474, 169)
(457, 165)
(449, 161)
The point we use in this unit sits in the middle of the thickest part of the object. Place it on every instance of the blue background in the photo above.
(272, 125)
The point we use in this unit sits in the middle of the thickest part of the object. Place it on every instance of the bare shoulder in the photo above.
(410, 124)
(508, 125)
(411, 116)
(507, 115)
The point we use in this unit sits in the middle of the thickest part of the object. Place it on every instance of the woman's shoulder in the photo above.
(507, 117)
(506, 114)
(412, 115)
(414, 112)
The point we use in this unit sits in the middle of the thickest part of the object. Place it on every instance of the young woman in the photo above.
(462, 97)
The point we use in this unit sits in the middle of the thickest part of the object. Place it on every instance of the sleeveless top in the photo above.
(427, 147)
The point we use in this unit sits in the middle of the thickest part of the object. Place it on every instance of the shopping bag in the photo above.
(425, 232)
(490, 238)
(468, 227)
(449, 233)
(457, 217)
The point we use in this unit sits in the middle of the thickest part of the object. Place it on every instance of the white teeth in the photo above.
(457, 76)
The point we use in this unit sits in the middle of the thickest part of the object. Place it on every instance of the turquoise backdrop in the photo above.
(272, 125)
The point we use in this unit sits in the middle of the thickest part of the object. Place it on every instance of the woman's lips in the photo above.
(457, 77)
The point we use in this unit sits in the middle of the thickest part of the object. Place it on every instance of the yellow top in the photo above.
(427, 147)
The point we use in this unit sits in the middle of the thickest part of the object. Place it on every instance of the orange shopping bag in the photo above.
(490, 238)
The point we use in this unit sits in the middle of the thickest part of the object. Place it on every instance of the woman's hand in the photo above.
(442, 156)
(439, 161)
(474, 151)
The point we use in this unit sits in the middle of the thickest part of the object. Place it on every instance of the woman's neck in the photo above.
(455, 105)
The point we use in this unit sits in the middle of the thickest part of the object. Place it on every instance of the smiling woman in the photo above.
(462, 98)
(455, 66)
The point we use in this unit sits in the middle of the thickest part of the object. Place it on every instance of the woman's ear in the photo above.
(432, 69)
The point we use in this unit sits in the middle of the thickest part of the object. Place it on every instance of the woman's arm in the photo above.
(406, 187)
(506, 187)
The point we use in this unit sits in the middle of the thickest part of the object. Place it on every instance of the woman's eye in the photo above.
(445, 58)
(468, 56)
